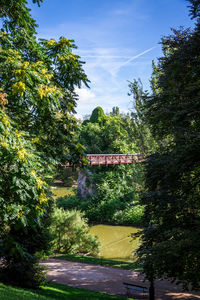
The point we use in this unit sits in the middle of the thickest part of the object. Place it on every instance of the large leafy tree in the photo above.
(170, 240)
(37, 132)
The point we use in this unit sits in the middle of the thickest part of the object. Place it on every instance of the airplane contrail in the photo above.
(104, 56)
(118, 56)
(115, 70)
(136, 56)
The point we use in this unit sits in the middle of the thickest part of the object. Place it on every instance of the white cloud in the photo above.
(84, 94)
(79, 117)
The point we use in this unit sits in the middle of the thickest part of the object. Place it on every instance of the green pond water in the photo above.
(116, 242)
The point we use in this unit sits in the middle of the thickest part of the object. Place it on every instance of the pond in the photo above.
(116, 242)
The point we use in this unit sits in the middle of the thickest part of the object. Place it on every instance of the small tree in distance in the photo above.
(97, 116)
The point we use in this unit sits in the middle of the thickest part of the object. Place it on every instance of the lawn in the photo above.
(62, 191)
(52, 291)
(101, 261)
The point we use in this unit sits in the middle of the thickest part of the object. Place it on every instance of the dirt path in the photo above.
(107, 279)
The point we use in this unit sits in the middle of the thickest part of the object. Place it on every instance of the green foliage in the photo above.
(16, 16)
(97, 116)
(194, 9)
(40, 94)
(91, 137)
(114, 211)
(71, 233)
(103, 211)
(24, 204)
(111, 136)
(118, 186)
(26, 273)
(170, 245)
(68, 176)
(135, 124)
(120, 181)
(115, 111)
(131, 215)
(37, 132)
(69, 202)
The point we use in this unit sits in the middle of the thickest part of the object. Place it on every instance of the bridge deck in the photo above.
(111, 159)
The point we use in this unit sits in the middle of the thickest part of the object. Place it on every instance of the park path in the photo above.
(108, 279)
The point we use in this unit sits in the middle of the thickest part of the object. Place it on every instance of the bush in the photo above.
(25, 272)
(114, 211)
(70, 233)
(68, 202)
(132, 215)
(103, 211)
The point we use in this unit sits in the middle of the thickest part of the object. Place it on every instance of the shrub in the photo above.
(71, 233)
(26, 273)
(68, 202)
(103, 211)
(131, 215)
(114, 211)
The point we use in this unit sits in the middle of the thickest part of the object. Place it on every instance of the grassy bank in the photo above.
(52, 291)
(101, 261)
(62, 191)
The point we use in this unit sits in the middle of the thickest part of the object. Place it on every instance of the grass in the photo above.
(52, 291)
(101, 261)
(62, 191)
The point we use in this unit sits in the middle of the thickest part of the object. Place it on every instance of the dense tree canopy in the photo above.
(170, 245)
(117, 186)
(108, 134)
(40, 91)
(37, 132)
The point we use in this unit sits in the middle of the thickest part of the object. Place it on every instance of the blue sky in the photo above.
(118, 39)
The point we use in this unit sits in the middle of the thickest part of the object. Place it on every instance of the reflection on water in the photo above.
(116, 242)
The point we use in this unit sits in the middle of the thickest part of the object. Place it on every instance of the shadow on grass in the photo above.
(76, 293)
(101, 261)
(52, 291)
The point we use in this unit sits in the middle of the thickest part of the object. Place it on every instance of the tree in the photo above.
(98, 115)
(37, 133)
(71, 233)
(117, 186)
(136, 126)
(115, 111)
(24, 203)
(170, 243)
(40, 93)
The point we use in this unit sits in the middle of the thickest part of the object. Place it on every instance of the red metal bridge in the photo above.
(111, 159)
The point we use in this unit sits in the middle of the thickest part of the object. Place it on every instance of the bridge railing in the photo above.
(111, 159)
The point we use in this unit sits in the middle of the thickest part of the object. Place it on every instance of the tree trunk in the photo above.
(151, 290)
